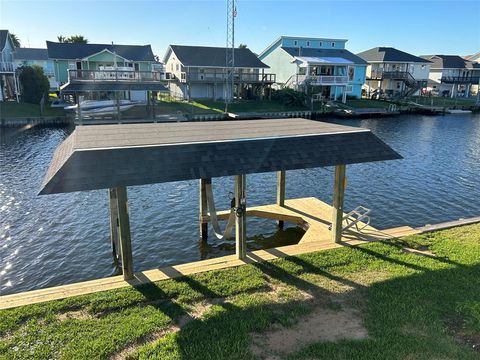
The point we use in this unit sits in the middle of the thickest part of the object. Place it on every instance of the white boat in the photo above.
(458, 111)
(103, 107)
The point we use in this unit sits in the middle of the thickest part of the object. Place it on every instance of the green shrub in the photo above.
(34, 83)
(289, 97)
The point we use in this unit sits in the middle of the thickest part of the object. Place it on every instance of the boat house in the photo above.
(115, 157)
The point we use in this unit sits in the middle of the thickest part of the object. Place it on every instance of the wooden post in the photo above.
(240, 219)
(124, 232)
(203, 208)
(338, 195)
(114, 223)
(280, 193)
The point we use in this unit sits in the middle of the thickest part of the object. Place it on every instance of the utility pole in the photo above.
(230, 52)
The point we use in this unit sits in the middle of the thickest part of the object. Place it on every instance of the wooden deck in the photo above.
(309, 213)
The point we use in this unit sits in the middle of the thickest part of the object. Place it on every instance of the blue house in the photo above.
(318, 65)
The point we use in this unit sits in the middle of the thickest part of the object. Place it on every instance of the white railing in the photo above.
(7, 66)
(323, 79)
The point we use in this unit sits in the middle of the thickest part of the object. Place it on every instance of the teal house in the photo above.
(82, 67)
(321, 66)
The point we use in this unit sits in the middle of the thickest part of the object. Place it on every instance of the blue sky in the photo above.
(418, 27)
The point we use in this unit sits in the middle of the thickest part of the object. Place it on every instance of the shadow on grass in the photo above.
(420, 302)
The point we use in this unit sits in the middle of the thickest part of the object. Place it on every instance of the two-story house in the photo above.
(200, 72)
(392, 73)
(452, 75)
(78, 66)
(320, 65)
(8, 81)
(39, 57)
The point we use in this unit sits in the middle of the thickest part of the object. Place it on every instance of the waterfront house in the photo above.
(452, 75)
(318, 65)
(8, 81)
(473, 58)
(80, 63)
(392, 73)
(200, 72)
(39, 57)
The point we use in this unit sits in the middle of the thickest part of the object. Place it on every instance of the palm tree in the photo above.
(242, 46)
(61, 38)
(74, 39)
(15, 40)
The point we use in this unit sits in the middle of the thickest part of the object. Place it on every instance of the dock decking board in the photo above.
(312, 213)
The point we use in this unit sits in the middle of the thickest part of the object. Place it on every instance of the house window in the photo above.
(308, 43)
(295, 43)
(320, 44)
(333, 44)
(176, 67)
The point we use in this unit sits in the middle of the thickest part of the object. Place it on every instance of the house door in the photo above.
(79, 69)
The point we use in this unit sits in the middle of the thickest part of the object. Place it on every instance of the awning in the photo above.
(107, 156)
(112, 86)
(304, 61)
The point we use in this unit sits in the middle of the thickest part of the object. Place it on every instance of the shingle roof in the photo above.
(105, 156)
(3, 38)
(448, 62)
(80, 51)
(339, 53)
(31, 54)
(389, 54)
(215, 56)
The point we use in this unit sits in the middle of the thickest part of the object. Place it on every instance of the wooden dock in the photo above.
(311, 214)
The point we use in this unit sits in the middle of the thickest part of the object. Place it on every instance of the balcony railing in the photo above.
(6, 66)
(114, 75)
(221, 76)
(460, 79)
(393, 75)
(323, 79)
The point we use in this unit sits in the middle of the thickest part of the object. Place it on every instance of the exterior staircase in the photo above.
(411, 84)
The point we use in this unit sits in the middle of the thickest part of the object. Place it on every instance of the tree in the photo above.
(15, 40)
(242, 46)
(34, 83)
(73, 39)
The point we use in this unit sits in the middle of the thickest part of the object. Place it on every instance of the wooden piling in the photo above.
(114, 231)
(280, 193)
(124, 232)
(338, 196)
(240, 218)
(204, 208)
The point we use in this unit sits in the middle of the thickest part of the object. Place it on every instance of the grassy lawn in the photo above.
(251, 106)
(367, 103)
(377, 301)
(443, 101)
(12, 109)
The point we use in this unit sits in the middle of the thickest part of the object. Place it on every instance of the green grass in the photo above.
(12, 109)
(367, 103)
(443, 101)
(413, 307)
(252, 106)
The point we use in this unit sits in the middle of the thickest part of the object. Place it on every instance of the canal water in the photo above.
(59, 239)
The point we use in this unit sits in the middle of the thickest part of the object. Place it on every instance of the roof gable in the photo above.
(206, 56)
(448, 62)
(389, 54)
(67, 51)
(4, 37)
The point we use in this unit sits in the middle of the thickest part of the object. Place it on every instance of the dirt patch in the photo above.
(323, 325)
(422, 251)
(457, 330)
(77, 315)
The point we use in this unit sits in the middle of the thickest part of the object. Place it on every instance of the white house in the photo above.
(199, 72)
(452, 75)
(8, 82)
(392, 73)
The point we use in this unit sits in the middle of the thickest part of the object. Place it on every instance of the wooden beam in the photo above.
(240, 218)
(124, 232)
(280, 193)
(204, 208)
(338, 195)
(114, 231)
